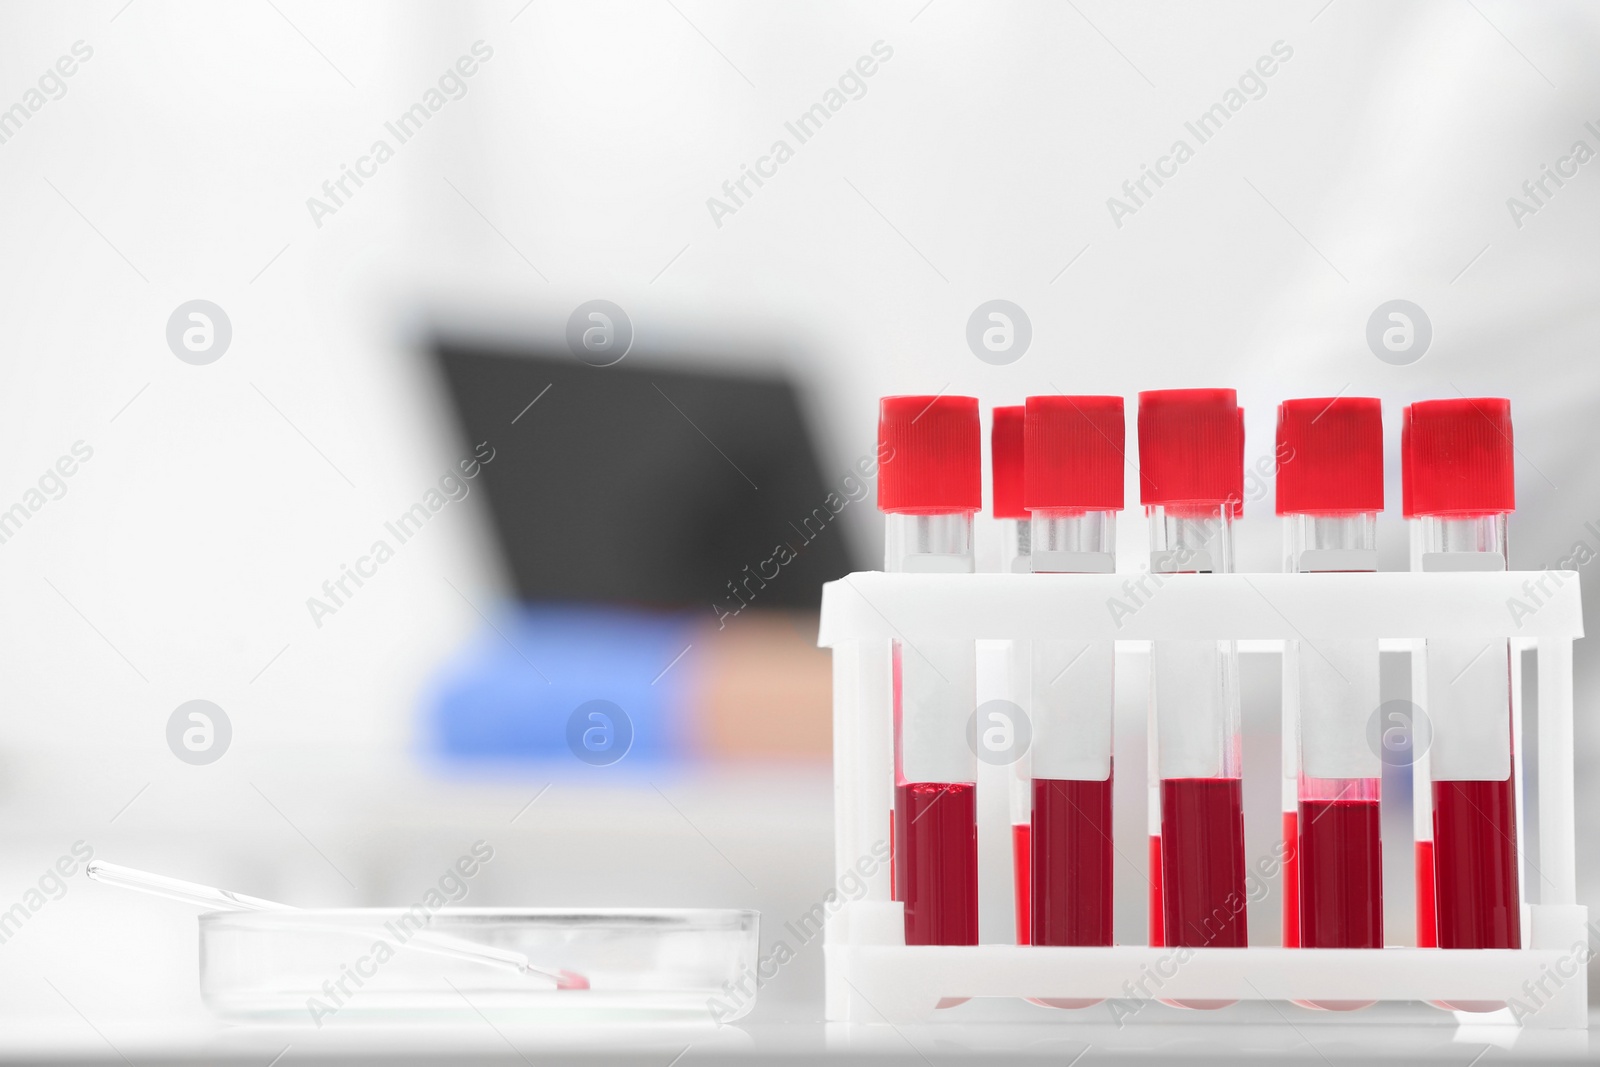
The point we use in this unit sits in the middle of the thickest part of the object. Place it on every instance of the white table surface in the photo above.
(1264, 1037)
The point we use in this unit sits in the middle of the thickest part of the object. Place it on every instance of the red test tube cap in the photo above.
(930, 450)
(1191, 448)
(1330, 456)
(1238, 499)
(1405, 464)
(1457, 457)
(1074, 451)
(1005, 454)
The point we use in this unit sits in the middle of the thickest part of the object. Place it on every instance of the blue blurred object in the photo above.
(601, 686)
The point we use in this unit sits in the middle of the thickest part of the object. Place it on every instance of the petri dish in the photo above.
(314, 965)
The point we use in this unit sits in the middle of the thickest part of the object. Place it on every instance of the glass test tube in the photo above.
(1074, 488)
(1459, 470)
(1073, 717)
(1477, 902)
(930, 490)
(1330, 490)
(1016, 557)
(1191, 483)
(1196, 693)
(1340, 777)
(1416, 735)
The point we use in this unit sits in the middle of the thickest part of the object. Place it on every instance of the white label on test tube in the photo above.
(1052, 561)
(1468, 693)
(1337, 559)
(1338, 690)
(1192, 719)
(939, 689)
(1181, 560)
(1018, 657)
(1421, 769)
(937, 563)
(1289, 739)
(1072, 698)
(1463, 561)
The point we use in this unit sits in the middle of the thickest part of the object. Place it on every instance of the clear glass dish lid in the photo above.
(313, 965)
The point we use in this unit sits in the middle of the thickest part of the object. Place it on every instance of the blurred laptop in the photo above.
(667, 534)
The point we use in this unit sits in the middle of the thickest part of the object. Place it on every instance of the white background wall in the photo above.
(977, 165)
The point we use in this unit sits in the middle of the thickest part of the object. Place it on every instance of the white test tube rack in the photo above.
(873, 976)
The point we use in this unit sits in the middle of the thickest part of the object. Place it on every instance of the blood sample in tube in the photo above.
(1459, 469)
(1073, 476)
(929, 491)
(1191, 484)
(1330, 491)
(1016, 557)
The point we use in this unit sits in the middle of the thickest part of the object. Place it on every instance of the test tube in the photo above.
(1289, 762)
(1459, 489)
(1421, 789)
(1016, 557)
(1005, 454)
(929, 492)
(1072, 468)
(1191, 482)
(1330, 491)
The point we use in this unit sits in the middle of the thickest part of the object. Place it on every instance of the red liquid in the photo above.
(1475, 864)
(1157, 926)
(936, 861)
(1021, 860)
(1072, 862)
(933, 848)
(1427, 928)
(1341, 868)
(1202, 860)
(1291, 880)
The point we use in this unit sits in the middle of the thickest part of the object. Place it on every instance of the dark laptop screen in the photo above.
(641, 485)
